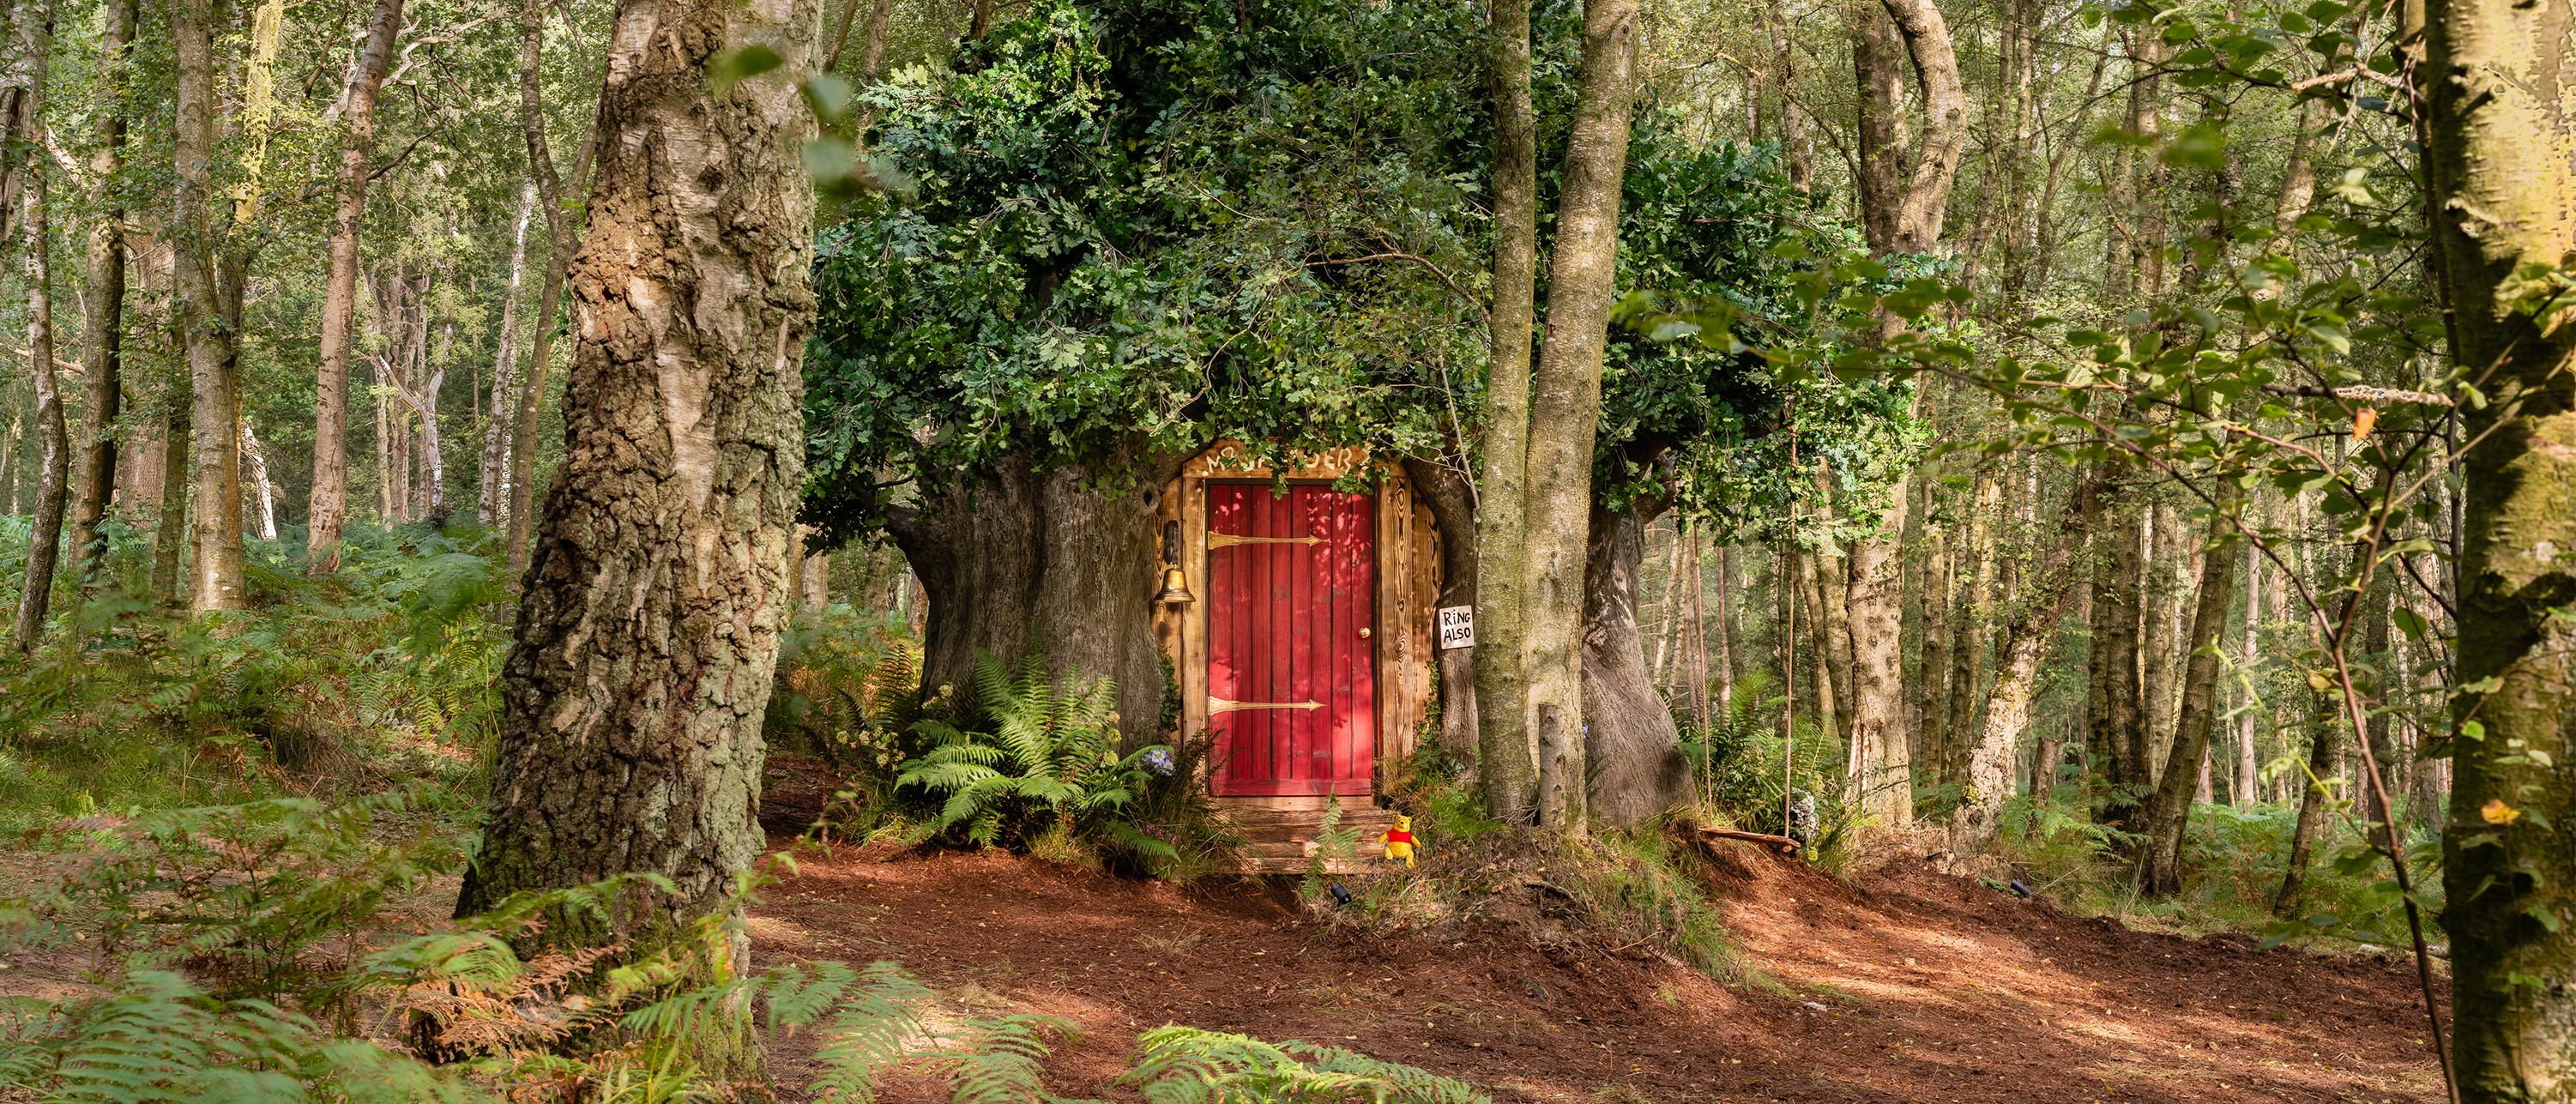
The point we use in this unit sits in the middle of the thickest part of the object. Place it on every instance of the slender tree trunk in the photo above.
(255, 459)
(1506, 767)
(2501, 173)
(103, 324)
(2248, 771)
(216, 581)
(2160, 640)
(328, 508)
(562, 234)
(44, 542)
(2325, 756)
(1565, 403)
(648, 630)
(1969, 633)
(1879, 145)
(1820, 646)
(1932, 708)
(494, 470)
(2187, 764)
(2115, 716)
(1698, 637)
(170, 529)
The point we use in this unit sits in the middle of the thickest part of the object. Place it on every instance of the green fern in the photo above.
(1333, 843)
(1051, 755)
(1190, 1065)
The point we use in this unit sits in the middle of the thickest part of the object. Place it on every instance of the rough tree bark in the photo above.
(648, 630)
(1444, 490)
(328, 502)
(2502, 159)
(34, 37)
(1062, 560)
(103, 324)
(1505, 767)
(1565, 403)
(2169, 811)
(2248, 772)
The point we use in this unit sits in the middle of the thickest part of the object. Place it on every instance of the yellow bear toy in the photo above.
(1399, 840)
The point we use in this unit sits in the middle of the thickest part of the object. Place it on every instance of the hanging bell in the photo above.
(1176, 588)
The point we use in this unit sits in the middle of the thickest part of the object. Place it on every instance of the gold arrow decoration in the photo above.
(1229, 540)
(1218, 705)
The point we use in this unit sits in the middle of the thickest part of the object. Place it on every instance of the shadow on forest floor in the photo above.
(1914, 986)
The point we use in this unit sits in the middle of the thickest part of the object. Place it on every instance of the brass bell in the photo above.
(1176, 588)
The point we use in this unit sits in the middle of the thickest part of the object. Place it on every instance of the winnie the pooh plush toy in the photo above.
(1399, 840)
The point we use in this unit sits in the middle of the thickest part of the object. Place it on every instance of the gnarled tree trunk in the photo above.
(1024, 558)
(648, 629)
(1633, 751)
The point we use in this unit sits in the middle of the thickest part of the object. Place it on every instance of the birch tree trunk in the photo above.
(1565, 403)
(103, 324)
(255, 459)
(494, 469)
(2502, 161)
(34, 38)
(1506, 768)
(328, 504)
(648, 630)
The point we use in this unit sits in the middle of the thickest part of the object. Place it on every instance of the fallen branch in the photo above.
(1782, 844)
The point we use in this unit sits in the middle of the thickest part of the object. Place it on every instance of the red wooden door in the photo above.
(1291, 609)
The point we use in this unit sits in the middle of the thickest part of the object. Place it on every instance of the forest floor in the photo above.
(1910, 985)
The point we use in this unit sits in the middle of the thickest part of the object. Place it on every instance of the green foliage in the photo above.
(1142, 227)
(1334, 844)
(1050, 757)
(1190, 1065)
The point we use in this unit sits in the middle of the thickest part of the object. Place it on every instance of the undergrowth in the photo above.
(243, 954)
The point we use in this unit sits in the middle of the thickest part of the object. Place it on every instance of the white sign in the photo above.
(1457, 627)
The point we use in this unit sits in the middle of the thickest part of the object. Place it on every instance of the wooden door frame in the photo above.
(1404, 569)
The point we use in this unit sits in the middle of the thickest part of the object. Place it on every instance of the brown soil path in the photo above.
(1914, 987)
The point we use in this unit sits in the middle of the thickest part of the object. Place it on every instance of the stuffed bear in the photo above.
(1399, 840)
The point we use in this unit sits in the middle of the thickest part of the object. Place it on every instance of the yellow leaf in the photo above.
(2497, 812)
(2318, 682)
(2362, 423)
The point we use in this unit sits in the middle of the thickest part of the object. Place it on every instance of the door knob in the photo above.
(1364, 634)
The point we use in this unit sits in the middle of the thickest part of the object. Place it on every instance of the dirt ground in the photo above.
(1913, 986)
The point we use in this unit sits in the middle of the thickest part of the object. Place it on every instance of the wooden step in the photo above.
(1276, 839)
